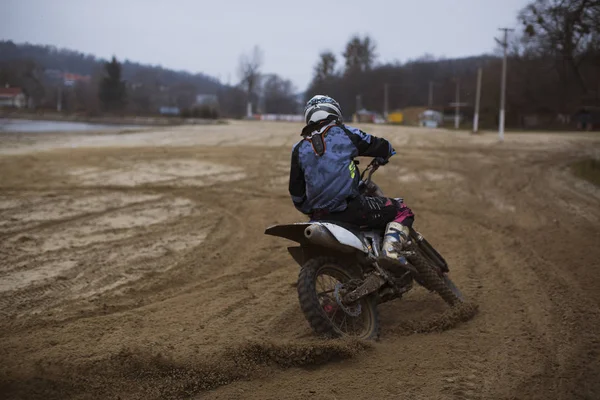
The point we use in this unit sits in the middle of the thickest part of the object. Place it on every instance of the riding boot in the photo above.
(396, 236)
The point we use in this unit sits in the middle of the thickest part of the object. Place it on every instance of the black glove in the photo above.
(381, 160)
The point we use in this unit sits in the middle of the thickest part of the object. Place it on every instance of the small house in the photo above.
(431, 119)
(207, 100)
(587, 118)
(368, 116)
(166, 110)
(12, 97)
(70, 79)
(465, 112)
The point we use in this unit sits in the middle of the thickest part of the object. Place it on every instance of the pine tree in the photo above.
(112, 91)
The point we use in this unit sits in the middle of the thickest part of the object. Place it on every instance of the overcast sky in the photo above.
(209, 35)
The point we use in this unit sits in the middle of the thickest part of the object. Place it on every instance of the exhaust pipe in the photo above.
(320, 236)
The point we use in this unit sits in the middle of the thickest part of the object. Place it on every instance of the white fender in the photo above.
(344, 236)
(296, 232)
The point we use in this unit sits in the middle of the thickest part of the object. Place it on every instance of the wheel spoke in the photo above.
(320, 283)
(344, 324)
(332, 318)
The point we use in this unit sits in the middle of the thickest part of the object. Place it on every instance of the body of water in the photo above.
(24, 125)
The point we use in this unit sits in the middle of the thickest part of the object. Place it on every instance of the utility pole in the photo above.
(59, 98)
(477, 98)
(59, 93)
(385, 100)
(504, 44)
(358, 107)
(430, 102)
(457, 110)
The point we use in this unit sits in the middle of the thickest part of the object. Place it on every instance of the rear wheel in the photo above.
(320, 283)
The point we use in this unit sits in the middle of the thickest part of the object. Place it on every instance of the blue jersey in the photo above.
(327, 181)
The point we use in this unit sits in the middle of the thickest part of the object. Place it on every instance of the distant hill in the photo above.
(51, 58)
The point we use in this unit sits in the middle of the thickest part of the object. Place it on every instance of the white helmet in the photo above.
(320, 107)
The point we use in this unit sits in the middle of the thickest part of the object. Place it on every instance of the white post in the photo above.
(504, 44)
(430, 102)
(59, 98)
(477, 98)
(502, 95)
(385, 101)
(457, 110)
(249, 110)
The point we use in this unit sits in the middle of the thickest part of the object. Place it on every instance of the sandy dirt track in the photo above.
(134, 266)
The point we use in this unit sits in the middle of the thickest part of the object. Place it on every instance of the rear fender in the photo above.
(297, 254)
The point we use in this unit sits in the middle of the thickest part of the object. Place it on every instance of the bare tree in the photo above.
(279, 95)
(359, 54)
(249, 73)
(325, 68)
(565, 30)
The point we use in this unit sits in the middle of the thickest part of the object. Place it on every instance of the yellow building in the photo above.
(396, 117)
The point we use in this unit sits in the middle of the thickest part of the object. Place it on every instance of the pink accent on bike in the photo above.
(403, 213)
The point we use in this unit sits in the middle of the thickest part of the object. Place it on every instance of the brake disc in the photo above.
(353, 311)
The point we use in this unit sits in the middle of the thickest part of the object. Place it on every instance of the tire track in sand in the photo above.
(464, 380)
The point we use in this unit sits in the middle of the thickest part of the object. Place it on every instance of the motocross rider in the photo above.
(324, 180)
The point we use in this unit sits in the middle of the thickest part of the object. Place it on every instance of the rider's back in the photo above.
(332, 177)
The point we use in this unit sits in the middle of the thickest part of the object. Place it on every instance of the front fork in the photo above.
(438, 262)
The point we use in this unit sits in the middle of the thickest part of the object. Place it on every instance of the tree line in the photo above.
(36, 69)
(553, 70)
(124, 87)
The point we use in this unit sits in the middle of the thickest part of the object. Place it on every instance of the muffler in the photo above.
(320, 236)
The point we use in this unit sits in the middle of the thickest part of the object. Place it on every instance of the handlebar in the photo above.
(371, 168)
(367, 186)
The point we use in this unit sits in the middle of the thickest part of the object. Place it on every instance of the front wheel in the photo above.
(453, 287)
(319, 285)
(431, 279)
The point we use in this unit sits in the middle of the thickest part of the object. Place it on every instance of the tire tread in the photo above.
(309, 303)
(430, 277)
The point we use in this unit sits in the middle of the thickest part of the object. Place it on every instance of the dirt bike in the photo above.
(341, 281)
